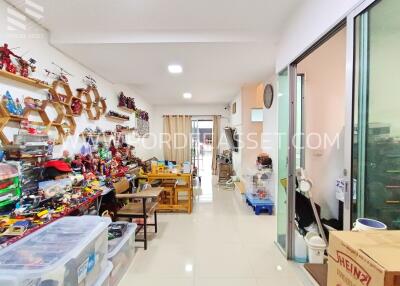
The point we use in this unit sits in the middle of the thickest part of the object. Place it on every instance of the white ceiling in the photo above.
(221, 44)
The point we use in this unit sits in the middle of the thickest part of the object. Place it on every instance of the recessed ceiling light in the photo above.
(189, 268)
(187, 95)
(175, 69)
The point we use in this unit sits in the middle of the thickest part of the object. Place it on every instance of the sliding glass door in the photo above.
(376, 115)
(283, 157)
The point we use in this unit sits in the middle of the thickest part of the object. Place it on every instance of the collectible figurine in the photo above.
(89, 81)
(61, 76)
(9, 103)
(77, 165)
(5, 59)
(121, 100)
(112, 149)
(29, 102)
(103, 153)
(18, 106)
(25, 66)
(76, 106)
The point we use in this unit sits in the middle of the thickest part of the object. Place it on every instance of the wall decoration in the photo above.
(142, 123)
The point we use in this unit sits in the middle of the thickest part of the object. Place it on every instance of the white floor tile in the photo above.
(221, 243)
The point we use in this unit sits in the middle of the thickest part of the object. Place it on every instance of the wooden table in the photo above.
(171, 201)
(141, 210)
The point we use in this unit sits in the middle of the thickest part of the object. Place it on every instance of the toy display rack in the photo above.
(126, 109)
(61, 101)
(116, 118)
(94, 105)
(36, 83)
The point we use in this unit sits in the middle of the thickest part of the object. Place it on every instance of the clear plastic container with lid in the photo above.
(69, 252)
(121, 252)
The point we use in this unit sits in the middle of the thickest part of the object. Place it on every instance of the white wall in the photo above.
(236, 122)
(250, 133)
(308, 24)
(195, 110)
(270, 135)
(33, 42)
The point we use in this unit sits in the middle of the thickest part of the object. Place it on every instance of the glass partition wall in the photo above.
(283, 148)
(376, 116)
(372, 140)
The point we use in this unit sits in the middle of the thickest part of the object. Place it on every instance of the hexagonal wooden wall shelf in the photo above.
(69, 125)
(42, 114)
(65, 100)
(5, 119)
(95, 106)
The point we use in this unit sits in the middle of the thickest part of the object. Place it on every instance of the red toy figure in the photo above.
(5, 59)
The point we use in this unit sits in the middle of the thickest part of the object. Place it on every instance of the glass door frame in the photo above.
(350, 108)
(291, 162)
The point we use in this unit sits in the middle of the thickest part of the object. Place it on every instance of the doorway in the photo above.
(202, 131)
(320, 122)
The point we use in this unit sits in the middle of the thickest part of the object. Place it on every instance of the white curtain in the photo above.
(177, 138)
(215, 142)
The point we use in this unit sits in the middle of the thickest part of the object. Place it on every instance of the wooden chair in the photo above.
(141, 205)
(183, 186)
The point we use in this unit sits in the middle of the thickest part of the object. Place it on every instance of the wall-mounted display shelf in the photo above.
(126, 109)
(25, 80)
(116, 118)
(94, 105)
(64, 99)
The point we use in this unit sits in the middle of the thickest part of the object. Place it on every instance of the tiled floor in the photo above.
(221, 243)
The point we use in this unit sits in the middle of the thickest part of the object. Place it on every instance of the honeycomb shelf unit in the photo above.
(6, 117)
(36, 83)
(64, 99)
(94, 105)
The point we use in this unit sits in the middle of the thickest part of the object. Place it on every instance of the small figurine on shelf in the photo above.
(18, 106)
(61, 76)
(77, 165)
(24, 66)
(103, 152)
(5, 59)
(112, 149)
(90, 81)
(10, 105)
(76, 106)
(29, 102)
(121, 99)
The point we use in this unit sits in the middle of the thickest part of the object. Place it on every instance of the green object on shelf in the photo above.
(11, 193)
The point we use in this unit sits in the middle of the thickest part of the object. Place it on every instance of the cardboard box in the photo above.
(364, 258)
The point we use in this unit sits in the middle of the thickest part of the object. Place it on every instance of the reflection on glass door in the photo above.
(283, 125)
(299, 135)
(376, 146)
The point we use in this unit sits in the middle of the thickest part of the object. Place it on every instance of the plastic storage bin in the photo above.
(104, 279)
(121, 252)
(69, 252)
